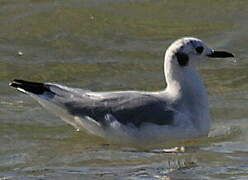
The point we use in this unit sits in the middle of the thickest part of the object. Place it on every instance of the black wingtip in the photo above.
(28, 86)
(15, 83)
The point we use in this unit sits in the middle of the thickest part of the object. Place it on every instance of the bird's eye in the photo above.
(199, 49)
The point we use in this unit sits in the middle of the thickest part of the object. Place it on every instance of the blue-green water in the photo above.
(118, 45)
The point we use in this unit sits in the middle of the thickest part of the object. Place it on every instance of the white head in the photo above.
(189, 51)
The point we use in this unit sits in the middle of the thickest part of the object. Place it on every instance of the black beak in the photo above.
(220, 54)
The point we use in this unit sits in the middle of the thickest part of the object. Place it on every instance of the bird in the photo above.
(178, 112)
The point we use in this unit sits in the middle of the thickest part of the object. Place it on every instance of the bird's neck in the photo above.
(182, 79)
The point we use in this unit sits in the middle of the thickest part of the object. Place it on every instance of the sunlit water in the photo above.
(118, 45)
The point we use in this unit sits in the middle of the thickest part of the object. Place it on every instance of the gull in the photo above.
(178, 112)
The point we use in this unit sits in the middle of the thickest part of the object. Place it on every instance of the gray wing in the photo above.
(126, 107)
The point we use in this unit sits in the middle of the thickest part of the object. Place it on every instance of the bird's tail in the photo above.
(30, 87)
(46, 95)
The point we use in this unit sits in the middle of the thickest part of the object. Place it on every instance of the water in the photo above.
(118, 45)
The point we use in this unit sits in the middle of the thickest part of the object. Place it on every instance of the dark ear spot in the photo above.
(199, 49)
(182, 59)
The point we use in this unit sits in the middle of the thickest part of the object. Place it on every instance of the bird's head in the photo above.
(189, 51)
